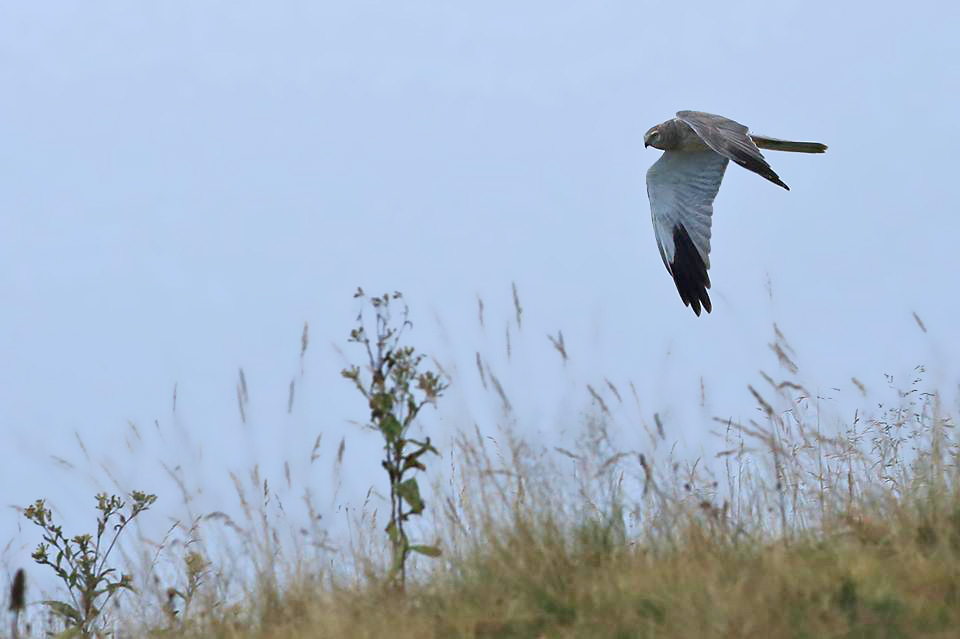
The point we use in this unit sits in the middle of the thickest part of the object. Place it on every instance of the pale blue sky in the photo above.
(183, 184)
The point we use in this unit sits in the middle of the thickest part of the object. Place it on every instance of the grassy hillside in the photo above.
(790, 532)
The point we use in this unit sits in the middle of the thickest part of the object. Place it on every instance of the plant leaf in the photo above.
(64, 610)
(424, 447)
(411, 462)
(429, 551)
(393, 532)
(409, 491)
(391, 428)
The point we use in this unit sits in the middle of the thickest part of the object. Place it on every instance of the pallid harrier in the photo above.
(682, 184)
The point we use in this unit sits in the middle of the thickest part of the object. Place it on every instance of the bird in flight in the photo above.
(683, 183)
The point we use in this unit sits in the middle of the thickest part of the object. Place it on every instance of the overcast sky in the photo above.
(184, 184)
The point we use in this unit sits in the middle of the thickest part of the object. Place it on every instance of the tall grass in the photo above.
(795, 529)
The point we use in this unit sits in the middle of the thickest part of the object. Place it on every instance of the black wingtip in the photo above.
(689, 272)
(759, 166)
(765, 171)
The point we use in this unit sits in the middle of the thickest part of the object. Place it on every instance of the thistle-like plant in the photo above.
(18, 594)
(81, 561)
(396, 389)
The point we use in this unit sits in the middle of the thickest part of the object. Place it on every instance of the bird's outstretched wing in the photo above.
(681, 186)
(731, 140)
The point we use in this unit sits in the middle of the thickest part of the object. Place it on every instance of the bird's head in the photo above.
(653, 138)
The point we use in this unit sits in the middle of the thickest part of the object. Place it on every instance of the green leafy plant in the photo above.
(396, 389)
(81, 561)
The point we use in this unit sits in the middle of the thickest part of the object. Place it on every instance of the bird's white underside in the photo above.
(681, 186)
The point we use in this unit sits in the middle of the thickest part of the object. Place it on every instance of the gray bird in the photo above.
(683, 183)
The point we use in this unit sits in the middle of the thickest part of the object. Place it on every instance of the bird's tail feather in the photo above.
(774, 144)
